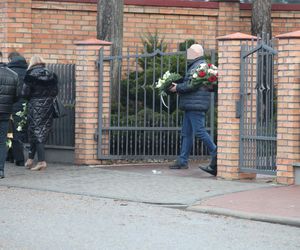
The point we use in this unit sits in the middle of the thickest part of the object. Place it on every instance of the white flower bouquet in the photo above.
(166, 81)
(23, 115)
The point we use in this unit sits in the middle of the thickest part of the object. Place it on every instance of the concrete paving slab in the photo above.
(139, 185)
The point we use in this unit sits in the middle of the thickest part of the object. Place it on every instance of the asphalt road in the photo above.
(32, 219)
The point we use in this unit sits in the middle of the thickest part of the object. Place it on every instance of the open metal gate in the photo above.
(139, 126)
(257, 108)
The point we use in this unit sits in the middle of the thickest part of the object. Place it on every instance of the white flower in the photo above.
(159, 83)
(203, 66)
(19, 113)
(166, 75)
(19, 128)
(195, 75)
(212, 72)
(214, 67)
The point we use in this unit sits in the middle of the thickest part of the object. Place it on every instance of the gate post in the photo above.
(87, 94)
(228, 96)
(288, 117)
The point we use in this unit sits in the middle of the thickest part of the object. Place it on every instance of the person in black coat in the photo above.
(18, 64)
(194, 101)
(8, 95)
(40, 88)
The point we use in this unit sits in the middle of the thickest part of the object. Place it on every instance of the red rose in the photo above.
(209, 65)
(212, 79)
(201, 74)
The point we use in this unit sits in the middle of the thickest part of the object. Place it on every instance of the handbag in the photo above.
(59, 109)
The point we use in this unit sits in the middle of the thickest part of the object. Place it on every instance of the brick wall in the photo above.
(228, 18)
(50, 27)
(15, 26)
(176, 24)
(288, 95)
(54, 38)
(283, 21)
(3, 16)
(76, 21)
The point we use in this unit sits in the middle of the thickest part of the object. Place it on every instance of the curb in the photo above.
(244, 215)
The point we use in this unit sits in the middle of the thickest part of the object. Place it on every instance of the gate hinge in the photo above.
(238, 108)
(96, 136)
(97, 62)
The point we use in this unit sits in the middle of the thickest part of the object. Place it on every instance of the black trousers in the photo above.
(18, 139)
(38, 148)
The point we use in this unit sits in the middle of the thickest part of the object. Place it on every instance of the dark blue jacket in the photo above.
(18, 64)
(193, 98)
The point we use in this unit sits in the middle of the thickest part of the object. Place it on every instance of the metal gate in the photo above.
(257, 108)
(63, 132)
(139, 126)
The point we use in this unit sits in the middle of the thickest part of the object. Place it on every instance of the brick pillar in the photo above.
(15, 26)
(288, 95)
(86, 109)
(229, 17)
(228, 94)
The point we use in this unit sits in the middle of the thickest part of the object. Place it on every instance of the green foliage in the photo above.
(186, 44)
(147, 118)
(151, 42)
(8, 143)
(138, 87)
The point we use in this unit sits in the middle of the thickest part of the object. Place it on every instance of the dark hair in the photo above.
(13, 54)
(1, 54)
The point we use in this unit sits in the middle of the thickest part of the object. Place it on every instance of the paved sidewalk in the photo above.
(275, 204)
(156, 184)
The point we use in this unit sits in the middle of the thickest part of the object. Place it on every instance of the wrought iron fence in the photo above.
(139, 126)
(63, 133)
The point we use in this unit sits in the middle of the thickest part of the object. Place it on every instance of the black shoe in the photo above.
(209, 169)
(20, 163)
(2, 174)
(177, 165)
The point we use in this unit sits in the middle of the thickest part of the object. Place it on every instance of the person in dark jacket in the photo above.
(194, 101)
(8, 95)
(40, 88)
(18, 64)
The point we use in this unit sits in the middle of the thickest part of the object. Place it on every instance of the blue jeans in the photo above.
(3, 138)
(194, 125)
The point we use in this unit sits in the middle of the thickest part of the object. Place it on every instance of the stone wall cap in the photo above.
(294, 34)
(92, 41)
(237, 36)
